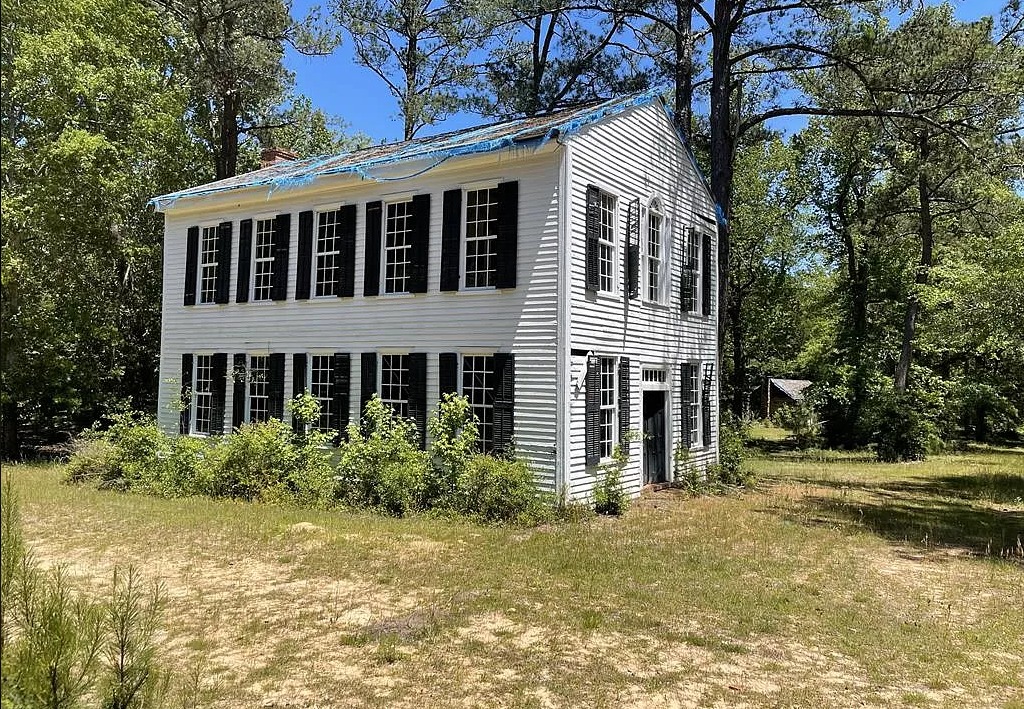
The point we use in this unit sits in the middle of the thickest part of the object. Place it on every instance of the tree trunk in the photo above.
(684, 67)
(926, 232)
(739, 359)
(226, 158)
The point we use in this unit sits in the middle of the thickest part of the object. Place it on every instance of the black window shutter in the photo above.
(371, 272)
(238, 371)
(220, 384)
(632, 275)
(244, 261)
(191, 265)
(508, 234)
(418, 394)
(340, 395)
(185, 400)
(593, 413)
(305, 262)
(504, 401)
(448, 373)
(275, 386)
(593, 231)
(298, 383)
(347, 266)
(223, 284)
(705, 272)
(367, 380)
(625, 391)
(282, 247)
(420, 242)
(686, 396)
(705, 403)
(451, 239)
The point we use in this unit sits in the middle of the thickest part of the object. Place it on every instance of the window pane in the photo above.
(606, 243)
(694, 419)
(327, 250)
(478, 387)
(203, 393)
(654, 257)
(259, 370)
(321, 388)
(394, 383)
(208, 272)
(607, 406)
(263, 259)
(397, 247)
(481, 237)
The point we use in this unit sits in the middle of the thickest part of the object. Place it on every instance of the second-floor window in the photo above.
(481, 237)
(397, 247)
(692, 271)
(263, 260)
(606, 244)
(209, 266)
(655, 255)
(327, 253)
(394, 383)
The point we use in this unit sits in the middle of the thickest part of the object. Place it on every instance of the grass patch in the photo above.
(837, 581)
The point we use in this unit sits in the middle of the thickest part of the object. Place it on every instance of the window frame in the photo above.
(610, 409)
(692, 417)
(249, 381)
(613, 244)
(196, 393)
(318, 212)
(491, 186)
(200, 265)
(655, 208)
(404, 384)
(692, 254)
(257, 220)
(325, 408)
(407, 247)
(486, 446)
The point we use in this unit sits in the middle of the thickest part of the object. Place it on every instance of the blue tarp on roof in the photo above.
(520, 132)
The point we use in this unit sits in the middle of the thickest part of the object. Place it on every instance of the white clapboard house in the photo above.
(560, 271)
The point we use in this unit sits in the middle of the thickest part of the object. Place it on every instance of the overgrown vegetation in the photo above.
(376, 465)
(61, 647)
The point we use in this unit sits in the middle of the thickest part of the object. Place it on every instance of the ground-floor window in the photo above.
(321, 388)
(394, 383)
(693, 413)
(259, 398)
(202, 388)
(607, 406)
(478, 387)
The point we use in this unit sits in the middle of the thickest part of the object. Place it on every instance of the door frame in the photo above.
(663, 386)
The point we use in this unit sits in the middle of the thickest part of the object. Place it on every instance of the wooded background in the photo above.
(876, 249)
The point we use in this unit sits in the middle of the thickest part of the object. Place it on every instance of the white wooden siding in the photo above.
(521, 321)
(637, 154)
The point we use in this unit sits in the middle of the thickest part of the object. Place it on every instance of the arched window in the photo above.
(656, 251)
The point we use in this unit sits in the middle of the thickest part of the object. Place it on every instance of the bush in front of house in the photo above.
(500, 491)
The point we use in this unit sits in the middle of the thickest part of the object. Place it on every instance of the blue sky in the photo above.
(342, 88)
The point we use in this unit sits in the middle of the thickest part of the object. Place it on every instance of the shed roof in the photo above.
(521, 132)
(793, 388)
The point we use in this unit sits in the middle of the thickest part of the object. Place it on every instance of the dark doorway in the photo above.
(654, 437)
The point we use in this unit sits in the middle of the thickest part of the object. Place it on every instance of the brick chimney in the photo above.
(272, 156)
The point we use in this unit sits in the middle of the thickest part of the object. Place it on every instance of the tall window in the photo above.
(263, 260)
(394, 383)
(606, 244)
(693, 415)
(202, 394)
(327, 250)
(481, 237)
(259, 399)
(607, 406)
(208, 272)
(397, 247)
(321, 387)
(655, 255)
(478, 387)
(693, 266)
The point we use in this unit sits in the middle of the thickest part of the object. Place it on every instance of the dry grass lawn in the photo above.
(838, 582)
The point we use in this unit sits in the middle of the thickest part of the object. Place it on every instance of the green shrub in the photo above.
(380, 465)
(184, 473)
(901, 431)
(731, 438)
(256, 457)
(93, 460)
(610, 496)
(495, 490)
(312, 481)
(454, 439)
(802, 420)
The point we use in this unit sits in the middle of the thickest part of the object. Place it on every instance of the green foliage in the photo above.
(502, 491)
(802, 421)
(731, 437)
(133, 679)
(305, 408)
(454, 438)
(610, 496)
(380, 465)
(901, 430)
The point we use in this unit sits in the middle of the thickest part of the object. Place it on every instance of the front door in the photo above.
(654, 437)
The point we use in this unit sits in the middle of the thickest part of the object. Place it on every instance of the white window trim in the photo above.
(252, 261)
(317, 211)
(696, 442)
(616, 237)
(381, 354)
(698, 279)
(309, 379)
(615, 408)
(194, 403)
(382, 289)
(248, 382)
(199, 265)
(463, 242)
(461, 380)
(666, 253)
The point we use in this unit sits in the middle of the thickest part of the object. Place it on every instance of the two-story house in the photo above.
(559, 271)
